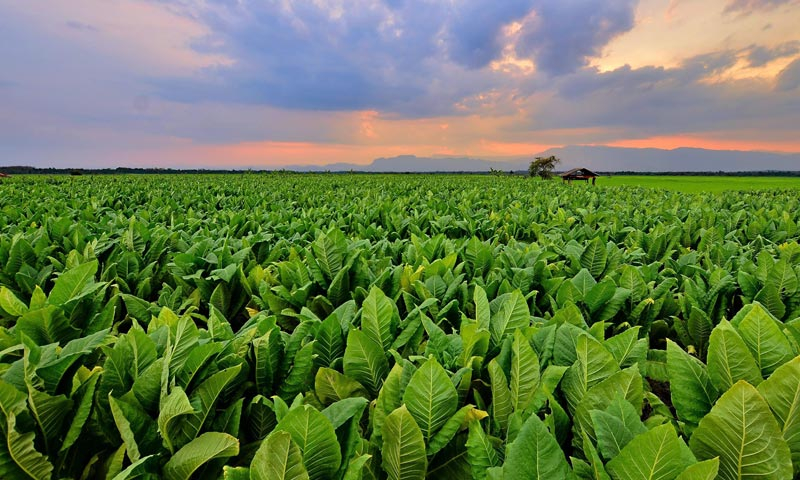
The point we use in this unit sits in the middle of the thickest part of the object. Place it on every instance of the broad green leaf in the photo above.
(782, 392)
(770, 297)
(501, 395)
(615, 426)
(72, 282)
(365, 361)
(11, 304)
(430, 398)
(705, 470)
(482, 311)
(626, 383)
(175, 407)
(50, 413)
(480, 451)
(22, 451)
(315, 436)
(331, 386)
(742, 432)
(627, 348)
(766, 342)
(267, 350)
(464, 416)
(594, 363)
(203, 399)
(510, 311)
(729, 359)
(690, 386)
(403, 449)
(535, 454)
(342, 411)
(137, 429)
(194, 454)
(594, 257)
(377, 318)
(655, 454)
(389, 399)
(278, 458)
(524, 372)
(299, 378)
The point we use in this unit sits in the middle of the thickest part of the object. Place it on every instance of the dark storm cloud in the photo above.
(789, 78)
(662, 101)
(412, 57)
(760, 55)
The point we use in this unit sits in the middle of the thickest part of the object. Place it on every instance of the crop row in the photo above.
(344, 327)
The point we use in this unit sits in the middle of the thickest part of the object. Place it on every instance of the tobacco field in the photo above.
(344, 327)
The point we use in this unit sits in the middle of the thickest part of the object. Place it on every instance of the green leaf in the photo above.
(50, 413)
(510, 311)
(22, 451)
(194, 454)
(278, 458)
(137, 469)
(464, 415)
(655, 454)
(480, 452)
(524, 372)
(137, 429)
(10, 304)
(783, 277)
(583, 283)
(175, 407)
(626, 383)
(729, 359)
(71, 283)
(766, 342)
(430, 397)
(594, 363)
(706, 470)
(299, 378)
(782, 392)
(342, 411)
(690, 386)
(316, 438)
(202, 401)
(365, 361)
(535, 454)
(482, 311)
(267, 350)
(616, 426)
(501, 395)
(403, 447)
(627, 348)
(742, 432)
(377, 318)
(770, 297)
(594, 257)
(85, 394)
(331, 386)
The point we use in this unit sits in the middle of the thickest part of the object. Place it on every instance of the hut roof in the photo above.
(4, 175)
(579, 172)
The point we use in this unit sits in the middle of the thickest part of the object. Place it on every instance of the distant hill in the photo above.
(606, 159)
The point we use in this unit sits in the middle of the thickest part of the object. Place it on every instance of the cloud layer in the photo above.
(153, 80)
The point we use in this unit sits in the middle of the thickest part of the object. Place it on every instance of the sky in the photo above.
(270, 83)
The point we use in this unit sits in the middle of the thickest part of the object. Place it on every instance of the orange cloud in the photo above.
(678, 141)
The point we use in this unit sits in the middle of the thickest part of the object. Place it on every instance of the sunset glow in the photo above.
(262, 84)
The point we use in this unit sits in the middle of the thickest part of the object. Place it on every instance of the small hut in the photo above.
(4, 175)
(579, 174)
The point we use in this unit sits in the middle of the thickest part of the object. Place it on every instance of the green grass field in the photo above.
(700, 183)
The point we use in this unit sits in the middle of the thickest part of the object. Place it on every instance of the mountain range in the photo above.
(598, 158)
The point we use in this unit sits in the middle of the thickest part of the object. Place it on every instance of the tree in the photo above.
(543, 167)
